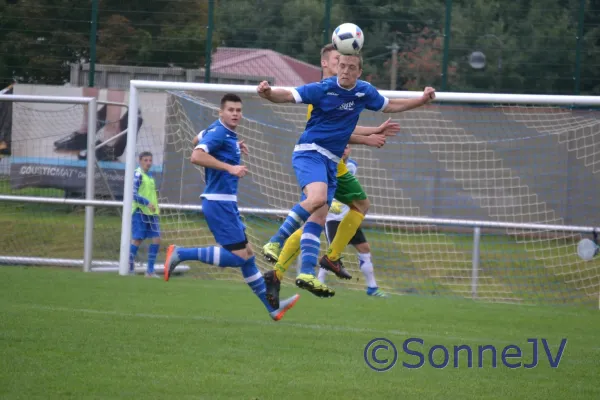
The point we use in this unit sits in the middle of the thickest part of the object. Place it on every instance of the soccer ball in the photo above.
(348, 39)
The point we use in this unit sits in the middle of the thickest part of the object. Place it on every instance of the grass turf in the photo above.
(66, 334)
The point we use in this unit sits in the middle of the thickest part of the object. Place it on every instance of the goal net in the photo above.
(519, 163)
(44, 178)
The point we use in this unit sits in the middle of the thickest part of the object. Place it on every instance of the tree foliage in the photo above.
(530, 45)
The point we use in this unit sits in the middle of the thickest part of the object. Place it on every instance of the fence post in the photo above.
(475, 261)
(93, 33)
(209, 32)
(327, 23)
(446, 44)
(579, 39)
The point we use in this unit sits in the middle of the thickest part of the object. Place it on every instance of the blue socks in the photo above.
(296, 217)
(223, 258)
(133, 249)
(212, 255)
(310, 243)
(255, 280)
(152, 253)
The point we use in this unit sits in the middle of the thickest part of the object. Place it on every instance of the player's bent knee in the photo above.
(361, 206)
(316, 202)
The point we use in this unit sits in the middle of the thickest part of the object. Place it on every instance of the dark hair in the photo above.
(145, 154)
(230, 97)
(325, 50)
(360, 59)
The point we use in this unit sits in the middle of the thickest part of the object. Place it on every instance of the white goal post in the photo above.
(449, 152)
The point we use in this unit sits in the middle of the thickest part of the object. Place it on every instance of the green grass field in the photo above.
(66, 334)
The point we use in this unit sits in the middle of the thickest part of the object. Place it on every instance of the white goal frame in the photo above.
(447, 97)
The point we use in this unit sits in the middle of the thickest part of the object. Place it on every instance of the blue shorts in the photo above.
(144, 226)
(224, 221)
(311, 166)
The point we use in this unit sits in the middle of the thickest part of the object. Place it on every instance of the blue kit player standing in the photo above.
(144, 218)
(337, 104)
(218, 151)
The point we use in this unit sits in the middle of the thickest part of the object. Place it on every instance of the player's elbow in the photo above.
(197, 156)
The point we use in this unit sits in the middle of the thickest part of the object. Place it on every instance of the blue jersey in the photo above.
(221, 143)
(335, 114)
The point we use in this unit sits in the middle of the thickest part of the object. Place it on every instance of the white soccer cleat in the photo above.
(171, 261)
(284, 306)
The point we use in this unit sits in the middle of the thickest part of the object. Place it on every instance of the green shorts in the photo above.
(349, 189)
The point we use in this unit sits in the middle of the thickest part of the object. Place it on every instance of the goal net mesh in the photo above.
(531, 164)
(498, 163)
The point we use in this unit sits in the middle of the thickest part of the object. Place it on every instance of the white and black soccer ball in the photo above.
(348, 39)
(587, 249)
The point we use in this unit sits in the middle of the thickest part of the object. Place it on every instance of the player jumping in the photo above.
(338, 102)
(218, 150)
(337, 213)
(348, 190)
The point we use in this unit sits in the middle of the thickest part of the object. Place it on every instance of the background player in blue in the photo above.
(337, 104)
(218, 151)
(144, 218)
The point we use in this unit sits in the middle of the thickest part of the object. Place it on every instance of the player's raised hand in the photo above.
(377, 140)
(389, 128)
(263, 89)
(428, 94)
(238, 170)
(243, 147)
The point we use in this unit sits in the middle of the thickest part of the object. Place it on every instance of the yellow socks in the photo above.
(289, 253)
(346, 230)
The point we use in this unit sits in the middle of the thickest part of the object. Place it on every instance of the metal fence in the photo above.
(548, 47)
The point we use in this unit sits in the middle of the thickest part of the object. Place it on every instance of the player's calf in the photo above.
(273, 285)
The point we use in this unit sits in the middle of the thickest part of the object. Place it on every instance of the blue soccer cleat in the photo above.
(376, 292)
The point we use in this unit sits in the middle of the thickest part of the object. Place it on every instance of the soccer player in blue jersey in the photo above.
(337, 103)
(144, 217)
(218, 151)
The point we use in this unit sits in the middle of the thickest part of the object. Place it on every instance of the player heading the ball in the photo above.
(337, 104)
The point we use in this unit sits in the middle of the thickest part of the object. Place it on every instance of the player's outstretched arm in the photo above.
(274, 95)
(376, 140)
(399, 105)
(203, 159)
(388, 128)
